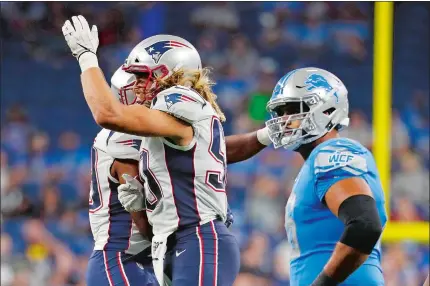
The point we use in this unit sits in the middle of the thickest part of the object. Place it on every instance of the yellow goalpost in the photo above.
(382, 92)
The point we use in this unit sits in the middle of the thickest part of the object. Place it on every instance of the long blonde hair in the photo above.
(196, 79)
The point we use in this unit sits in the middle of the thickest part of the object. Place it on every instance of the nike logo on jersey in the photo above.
(179, 253)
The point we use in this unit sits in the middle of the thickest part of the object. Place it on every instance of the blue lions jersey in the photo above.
(312, 229)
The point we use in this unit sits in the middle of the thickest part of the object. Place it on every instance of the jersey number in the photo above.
(153, 191)
(95, 200)
(290, 226)
(217, 179)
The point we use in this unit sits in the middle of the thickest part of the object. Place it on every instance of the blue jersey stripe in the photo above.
(357, 169)
(96, 199)
(109, 136)
(327, 151)
(180, 165)
(120, 222)
(323, 167)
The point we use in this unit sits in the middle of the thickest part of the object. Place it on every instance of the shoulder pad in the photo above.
(118, 145)
(183, 103)
(345, 158)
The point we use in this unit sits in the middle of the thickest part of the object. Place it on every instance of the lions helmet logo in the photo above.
(157, 50)
(318, 81)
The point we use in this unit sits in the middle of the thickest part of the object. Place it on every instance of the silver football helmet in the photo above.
(159, 56)
(306, 104)
(122, 84)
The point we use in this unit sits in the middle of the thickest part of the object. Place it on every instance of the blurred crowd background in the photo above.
(47, 129)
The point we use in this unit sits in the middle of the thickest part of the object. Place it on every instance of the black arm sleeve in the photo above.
(362, 223)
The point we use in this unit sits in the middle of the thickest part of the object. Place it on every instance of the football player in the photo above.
(114, 155)
(183, 154)
(118, 235)
(335, 213)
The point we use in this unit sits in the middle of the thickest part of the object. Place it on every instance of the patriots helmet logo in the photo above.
(173, 98)
(157, 50)
(318, 81)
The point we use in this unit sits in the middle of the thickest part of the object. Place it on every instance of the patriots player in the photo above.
(183, 154)
(118, 235)
(335, 213)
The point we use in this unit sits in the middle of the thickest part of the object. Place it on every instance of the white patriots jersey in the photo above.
(185, 185)
(111, 224)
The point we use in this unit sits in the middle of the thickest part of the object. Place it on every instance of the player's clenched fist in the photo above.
(82, 41)
(131, 195)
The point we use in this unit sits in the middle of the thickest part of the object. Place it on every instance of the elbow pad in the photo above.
(362, 223)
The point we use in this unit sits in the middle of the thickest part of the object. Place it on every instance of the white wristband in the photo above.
(88, 60)
(263, 136)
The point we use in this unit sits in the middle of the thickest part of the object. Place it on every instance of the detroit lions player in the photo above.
(335, 213)
(118, 235)
(183, 156)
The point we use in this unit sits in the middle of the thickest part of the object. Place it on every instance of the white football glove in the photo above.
(82, 41)
(131, 195)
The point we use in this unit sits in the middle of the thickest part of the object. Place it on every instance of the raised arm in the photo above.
(241, 147)
(352, 202)
(132, 119)
(106, 110)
